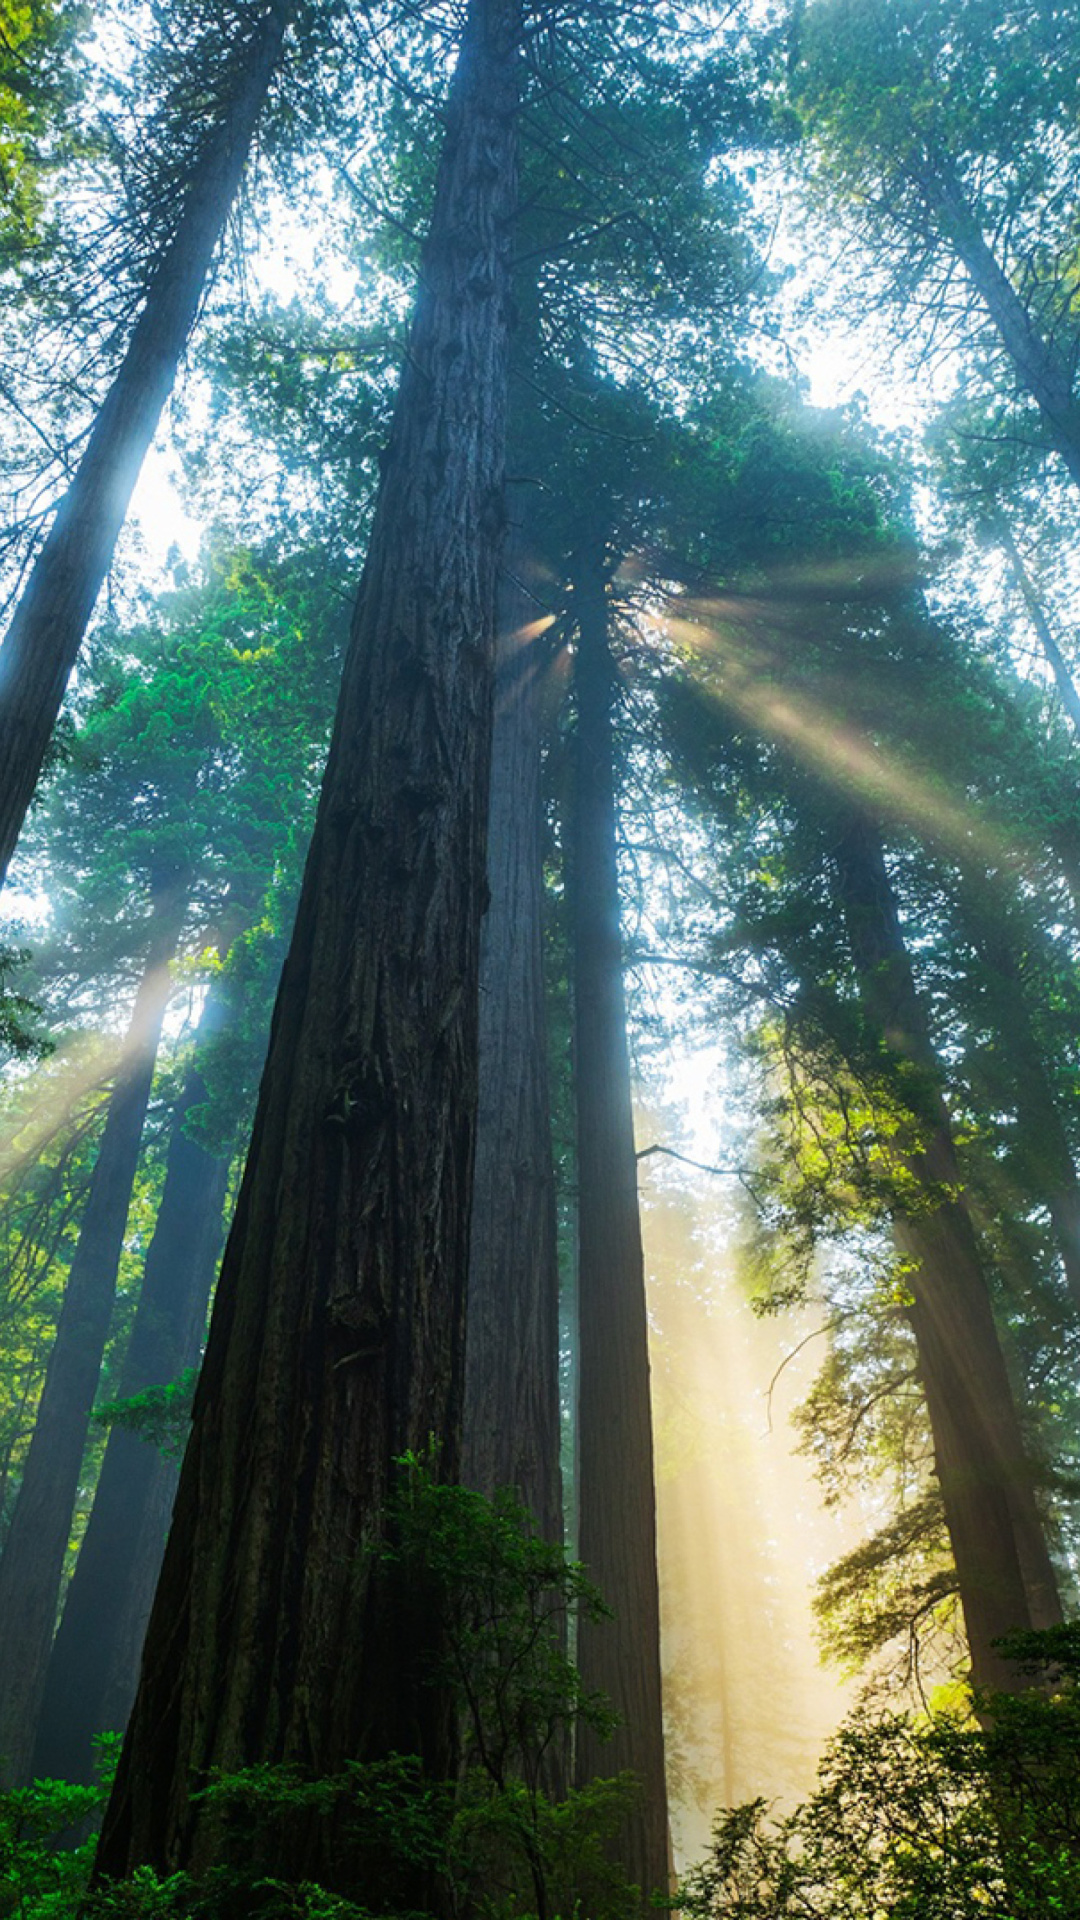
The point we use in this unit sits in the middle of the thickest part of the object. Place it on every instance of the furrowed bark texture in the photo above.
(1003, 1567)
(336, 1340)
(94, 1665)
(511, 1426)
(617, 1505)
(31, 1566)
(51, 617)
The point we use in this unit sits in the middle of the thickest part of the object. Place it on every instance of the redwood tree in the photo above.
(616, 1499)
(337, 1335)
(31, 1565)
(512, 1354)
(50, 619)
(1004, 1571)
(94, 1664)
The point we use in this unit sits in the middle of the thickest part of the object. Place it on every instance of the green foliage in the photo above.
(20, 1034)
(42, 1873)
(495, 1855)
(935, 1819)
(896, 1587)
(503, 1597)
(941, 133)
(39, 1876)
(498, 1841)
(160, 1415)
(38, 82)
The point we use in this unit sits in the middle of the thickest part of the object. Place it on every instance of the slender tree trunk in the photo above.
(617, 1511)
(1063, 680)
(1049, 1168)
(1003, 1567)
(31, 1567)
(1040, 368)
(336, 1340)
(94, 1666)
(511, 1425)
(50, 619)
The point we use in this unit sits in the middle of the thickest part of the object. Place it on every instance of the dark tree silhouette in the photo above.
(616, 1500)
(337, 1336)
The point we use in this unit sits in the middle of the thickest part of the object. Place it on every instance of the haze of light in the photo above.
(743, 676)
(743, 1533)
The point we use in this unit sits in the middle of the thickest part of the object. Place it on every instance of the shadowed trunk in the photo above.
(50, 619)
(1043, 1147)
(617, 1510)
(336, 1341)
(31, 1566)
(1003, 1567)
(511, 1426)
(94, 1666)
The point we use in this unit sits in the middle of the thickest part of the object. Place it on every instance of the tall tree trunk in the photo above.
(511, 1423)
(31, 1566)
(1041, 369)
(336, 1341)
(94, 1666)
(617, 1510)
(1063, 680)
(50, 619)
(1003, 1567)
(1049, 1168)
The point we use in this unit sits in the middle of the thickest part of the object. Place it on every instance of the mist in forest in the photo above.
(539, 959)
(743, 1531)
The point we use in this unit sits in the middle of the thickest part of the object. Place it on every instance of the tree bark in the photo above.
(94, 1666)
(336, 1341)
(511, 1425)
(51, 617)
(31, 1566)
(1049, 1168)
(1005, 1574)
(617, 1504)
(1063, 680)
(1041, 370)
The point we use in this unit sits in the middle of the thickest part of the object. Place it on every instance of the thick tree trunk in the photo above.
(94, 1666)
(1003, 1567)
(511, 1424)
(50, 619)
(336, 1341)
(31, 1566)
(617, 1510)
(1041, 369)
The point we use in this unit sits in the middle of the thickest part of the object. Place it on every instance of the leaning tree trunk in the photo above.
(336, 1341)
(1036, 613)
(94, 1666)
(1004, 1571)
(31, 1566)
(1042, 368)
(617, 1505)
(511, 1423)
(51, 617)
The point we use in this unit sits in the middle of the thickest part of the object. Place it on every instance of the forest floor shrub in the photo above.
(942, 1817)
(502, 1840)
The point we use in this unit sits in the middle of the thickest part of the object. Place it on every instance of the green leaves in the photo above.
(503, 1597)
(935, 1818)
(159, 1415)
